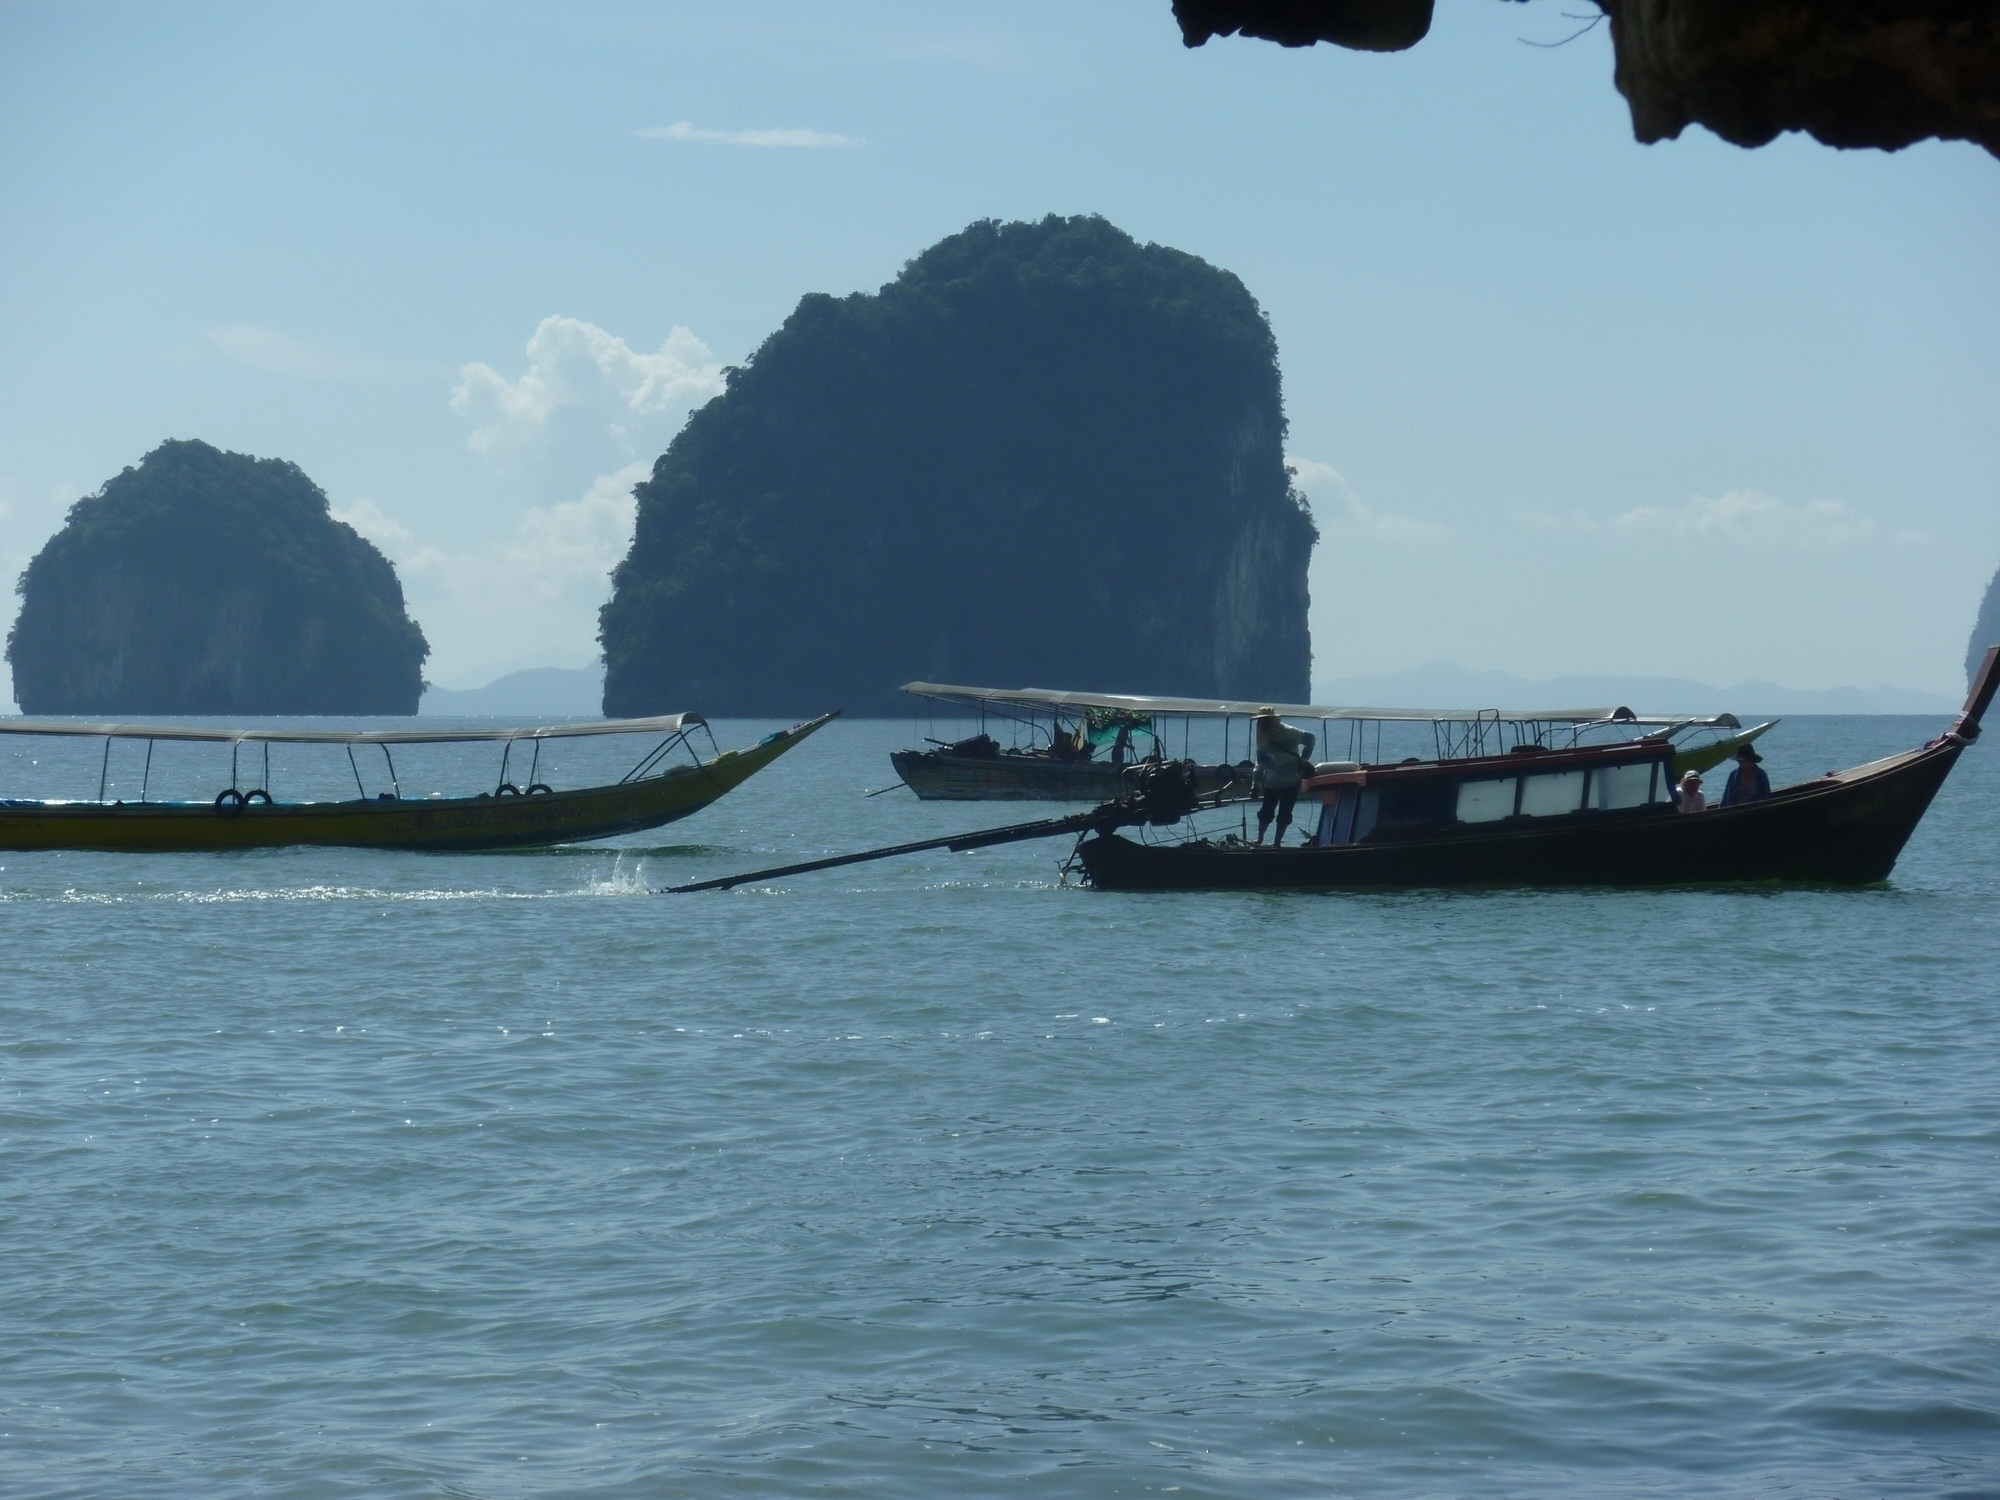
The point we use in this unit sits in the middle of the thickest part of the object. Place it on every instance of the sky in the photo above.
(1562, 403)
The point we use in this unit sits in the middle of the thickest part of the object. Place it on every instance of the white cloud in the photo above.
(573, 363)
(1342, 513)
(530, 597)
(557, 554)
(1750, 518)
(1740, 518)
(1553, 521)
(687, 130)
(278, 353)
(367, 518)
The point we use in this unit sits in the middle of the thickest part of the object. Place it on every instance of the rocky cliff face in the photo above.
(1985, 630)
(1365, 25)
(1043, 455)
(1848, 72)
(204, 582)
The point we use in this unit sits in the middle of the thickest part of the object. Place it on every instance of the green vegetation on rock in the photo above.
(1043, 455)
(204, 582)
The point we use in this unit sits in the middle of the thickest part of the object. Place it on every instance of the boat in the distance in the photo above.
(669, 781)
(1086, 747)
(1055, 740)
(1584, 816)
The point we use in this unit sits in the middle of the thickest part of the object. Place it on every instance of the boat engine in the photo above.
(1161, 792)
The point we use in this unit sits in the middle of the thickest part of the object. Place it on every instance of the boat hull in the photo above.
(1846, 829)
(937, 776)
(433, 823)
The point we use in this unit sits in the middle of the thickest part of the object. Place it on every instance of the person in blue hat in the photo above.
(1747, 783)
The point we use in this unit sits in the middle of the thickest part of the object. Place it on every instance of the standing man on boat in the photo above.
(1281, 760)
(1747, 783)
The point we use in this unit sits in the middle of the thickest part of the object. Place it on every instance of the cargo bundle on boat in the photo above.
(670, 780)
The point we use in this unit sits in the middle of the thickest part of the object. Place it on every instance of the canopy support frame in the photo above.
(657, 754)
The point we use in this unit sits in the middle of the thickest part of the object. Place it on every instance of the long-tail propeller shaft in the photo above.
(1161, 793)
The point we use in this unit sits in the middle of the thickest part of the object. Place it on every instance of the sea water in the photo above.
(328, 1172)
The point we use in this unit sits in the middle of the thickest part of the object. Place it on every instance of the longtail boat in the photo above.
(670, 781)
(1059, 736)
(1597, 816)
(1538, 814)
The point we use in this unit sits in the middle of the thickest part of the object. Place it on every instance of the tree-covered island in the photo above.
(204, 582)
(1044, 454)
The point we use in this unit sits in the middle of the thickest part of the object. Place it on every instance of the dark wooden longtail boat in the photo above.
(658, 790)
(1064, 732)
(1594, 816)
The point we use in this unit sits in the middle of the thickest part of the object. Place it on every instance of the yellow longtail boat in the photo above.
(659, 789)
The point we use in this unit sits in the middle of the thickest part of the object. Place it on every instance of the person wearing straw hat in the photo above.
(1747, 783)
(1689, 797)
(1282, 763)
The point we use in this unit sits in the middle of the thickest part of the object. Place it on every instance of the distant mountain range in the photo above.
(1442, 685)
(537, 693)
(578, 692)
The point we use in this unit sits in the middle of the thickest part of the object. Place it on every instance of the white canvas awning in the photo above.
(1049, 699)
(663, 724)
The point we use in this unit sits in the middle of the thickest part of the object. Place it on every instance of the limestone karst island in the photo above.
(1044, 454)
(204, 582)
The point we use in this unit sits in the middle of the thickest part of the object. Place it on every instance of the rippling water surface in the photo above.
(330, 1172)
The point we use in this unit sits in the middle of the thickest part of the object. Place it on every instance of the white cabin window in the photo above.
(1485, 801)
(1622, 786)
(1554, 792)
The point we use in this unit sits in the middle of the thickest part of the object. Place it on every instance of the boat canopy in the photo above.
(1047, 698)
(663, 724)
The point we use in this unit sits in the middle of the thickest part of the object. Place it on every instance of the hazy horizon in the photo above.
(560, 691)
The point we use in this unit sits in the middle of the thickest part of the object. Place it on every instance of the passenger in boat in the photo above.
(1070, 745)
(1689, 797)
(1121, 748)
(1747, 783)
(1281, 759)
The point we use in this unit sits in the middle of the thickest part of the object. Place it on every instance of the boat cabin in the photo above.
(1423, 799)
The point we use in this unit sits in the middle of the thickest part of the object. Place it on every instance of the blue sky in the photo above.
(1563, 403)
